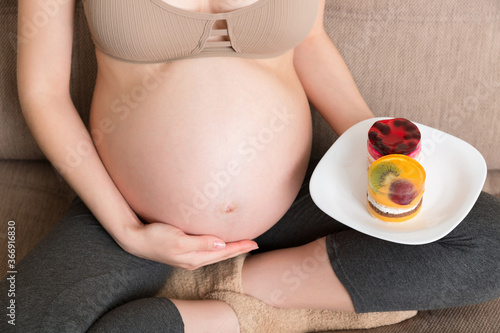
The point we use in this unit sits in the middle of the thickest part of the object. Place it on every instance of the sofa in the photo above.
(435, 62)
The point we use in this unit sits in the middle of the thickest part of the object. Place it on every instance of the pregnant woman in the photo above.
(197, 151)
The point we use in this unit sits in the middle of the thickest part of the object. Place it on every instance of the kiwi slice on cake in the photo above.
(382, 174)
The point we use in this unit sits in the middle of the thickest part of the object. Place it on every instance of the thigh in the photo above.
(78, 273)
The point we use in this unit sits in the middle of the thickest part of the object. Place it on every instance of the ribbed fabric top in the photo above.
(152, 31)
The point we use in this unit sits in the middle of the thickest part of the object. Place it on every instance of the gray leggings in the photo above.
(79, 279)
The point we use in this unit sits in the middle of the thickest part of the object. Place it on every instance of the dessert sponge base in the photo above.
(392, 217)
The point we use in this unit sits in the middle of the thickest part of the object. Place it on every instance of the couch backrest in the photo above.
(435, 62)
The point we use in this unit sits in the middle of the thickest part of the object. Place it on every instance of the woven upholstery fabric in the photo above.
(16, 141)
(435, 62)
(492, 184)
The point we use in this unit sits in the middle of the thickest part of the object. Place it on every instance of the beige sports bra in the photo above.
(152, 31)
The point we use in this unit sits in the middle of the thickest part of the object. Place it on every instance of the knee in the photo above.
(144, 315)
(481, 227)
(481, 255)
(78, 304)
(485, 217)
(482, 280)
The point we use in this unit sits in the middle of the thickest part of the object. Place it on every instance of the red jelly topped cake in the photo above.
(393, 136)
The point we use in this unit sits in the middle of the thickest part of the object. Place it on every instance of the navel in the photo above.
(228, 208)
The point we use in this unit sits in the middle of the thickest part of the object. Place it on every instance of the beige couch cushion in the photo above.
(492, 184)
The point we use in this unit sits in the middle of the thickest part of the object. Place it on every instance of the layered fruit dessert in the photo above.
(393, 136)
(396, 185)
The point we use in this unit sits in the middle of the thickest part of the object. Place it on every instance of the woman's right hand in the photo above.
(167, 244)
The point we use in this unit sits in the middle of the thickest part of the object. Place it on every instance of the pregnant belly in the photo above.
(228, 165)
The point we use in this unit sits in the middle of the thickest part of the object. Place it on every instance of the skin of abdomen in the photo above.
(213, 146)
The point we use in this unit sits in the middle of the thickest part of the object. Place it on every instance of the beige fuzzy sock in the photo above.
(258, 317)
(191, 285)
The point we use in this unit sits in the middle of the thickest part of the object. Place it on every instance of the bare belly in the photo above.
(212, 146)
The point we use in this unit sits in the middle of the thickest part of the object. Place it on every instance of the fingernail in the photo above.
(219, 245)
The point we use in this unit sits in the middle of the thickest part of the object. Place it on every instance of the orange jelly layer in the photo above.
(409, 170)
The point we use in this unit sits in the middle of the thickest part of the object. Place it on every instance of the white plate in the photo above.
(455, 170)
